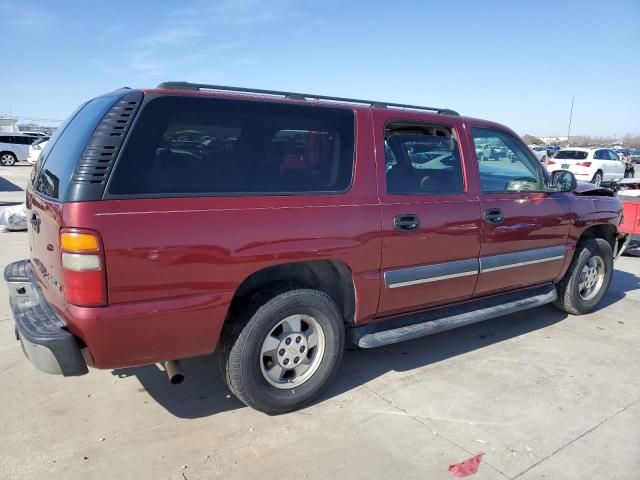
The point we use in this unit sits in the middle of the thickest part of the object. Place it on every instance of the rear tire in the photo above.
(8, 159)
(587, 279)
(597, 178)
(278, 327)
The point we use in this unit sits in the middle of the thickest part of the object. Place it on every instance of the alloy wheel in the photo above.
(591, 278)
(292, 351)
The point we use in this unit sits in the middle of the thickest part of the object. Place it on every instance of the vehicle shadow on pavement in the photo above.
(7, 186)
(205, 393)
(621, 283)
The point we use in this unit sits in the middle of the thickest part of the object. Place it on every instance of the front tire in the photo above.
(283, 349)
(587, 279)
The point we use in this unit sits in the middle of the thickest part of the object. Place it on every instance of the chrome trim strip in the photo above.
(406, 277)
(522, 264)
(430, 273)
(519, 259)
(432, 279)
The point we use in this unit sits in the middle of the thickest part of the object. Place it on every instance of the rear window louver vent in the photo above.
(98, 157)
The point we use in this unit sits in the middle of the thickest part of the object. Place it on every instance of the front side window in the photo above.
(613, 155)
(505, 165)
(424, 164)
(184, 146)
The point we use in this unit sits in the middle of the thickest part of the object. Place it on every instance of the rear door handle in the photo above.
(493, 215)
(408, 222)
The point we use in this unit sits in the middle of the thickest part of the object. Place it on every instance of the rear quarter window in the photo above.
(52, 176)
(571, 155)
(194, 146)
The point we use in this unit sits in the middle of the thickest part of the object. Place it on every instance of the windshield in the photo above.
(571, 155)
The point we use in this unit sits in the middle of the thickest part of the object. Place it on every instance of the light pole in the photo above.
(570, 117)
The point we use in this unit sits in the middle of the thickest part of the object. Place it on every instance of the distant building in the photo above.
(34, 127)
(8, 125)
(550, 140)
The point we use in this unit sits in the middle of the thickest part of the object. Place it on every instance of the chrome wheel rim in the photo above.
(597, 180)
(591, 278)
(292, 352)
(7, 160)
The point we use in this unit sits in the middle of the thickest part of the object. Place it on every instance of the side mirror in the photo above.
(563, 181)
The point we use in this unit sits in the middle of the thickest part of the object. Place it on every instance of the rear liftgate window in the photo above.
(52, 174)
(185, 146)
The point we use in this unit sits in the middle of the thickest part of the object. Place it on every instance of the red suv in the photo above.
(274, 227)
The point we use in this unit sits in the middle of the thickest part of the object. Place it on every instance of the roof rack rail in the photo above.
(297, 96)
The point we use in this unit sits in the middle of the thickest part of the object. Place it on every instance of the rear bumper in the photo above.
(42, 333)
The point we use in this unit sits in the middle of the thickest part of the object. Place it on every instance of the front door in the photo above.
(430, 220)
(524, 229)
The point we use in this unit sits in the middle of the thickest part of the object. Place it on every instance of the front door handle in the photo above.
(493, 215)
(408, 222)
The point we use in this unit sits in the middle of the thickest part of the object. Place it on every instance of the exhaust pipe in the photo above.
(174, 372)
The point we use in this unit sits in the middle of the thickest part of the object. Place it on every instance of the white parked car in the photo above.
(540, 152)
(35, 134)
(14, 147)
(35, 149)
(594, 165)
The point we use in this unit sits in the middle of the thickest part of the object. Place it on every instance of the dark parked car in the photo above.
(298, 223)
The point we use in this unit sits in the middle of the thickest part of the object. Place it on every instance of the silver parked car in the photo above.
(14, 147)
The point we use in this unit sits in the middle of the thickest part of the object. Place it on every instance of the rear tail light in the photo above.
(583, 164)
(550, 162)
(83, 274)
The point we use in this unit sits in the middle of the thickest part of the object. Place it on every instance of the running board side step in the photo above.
(408, 327)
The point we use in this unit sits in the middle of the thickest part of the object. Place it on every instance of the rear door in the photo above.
(524, 230)
(430, 216)
(21, 146)
(46, 194)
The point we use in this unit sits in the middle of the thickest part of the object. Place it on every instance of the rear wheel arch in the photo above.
(332, 277)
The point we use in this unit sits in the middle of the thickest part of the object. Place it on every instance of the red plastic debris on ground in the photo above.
(466, 468)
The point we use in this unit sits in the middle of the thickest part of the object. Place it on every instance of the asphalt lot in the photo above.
(542, 394)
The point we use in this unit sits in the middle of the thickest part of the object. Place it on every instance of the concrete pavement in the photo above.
(542, 394)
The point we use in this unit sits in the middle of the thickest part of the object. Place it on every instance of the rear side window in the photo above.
(571, 155)
(58, 160)
(184, 146)
(423, 164)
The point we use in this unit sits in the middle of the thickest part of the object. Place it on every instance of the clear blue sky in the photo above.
(515, 62)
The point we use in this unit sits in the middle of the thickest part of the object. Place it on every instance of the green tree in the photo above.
(531, 140)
